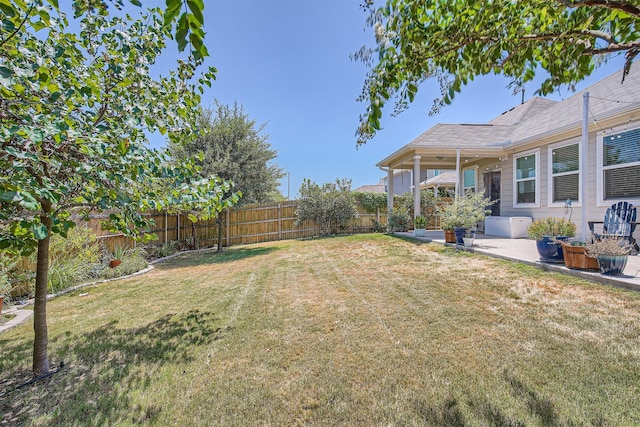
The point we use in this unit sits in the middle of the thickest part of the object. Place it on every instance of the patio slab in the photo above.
(524, 250)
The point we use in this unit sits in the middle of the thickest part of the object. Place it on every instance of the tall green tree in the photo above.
(454, 41)
(75, 109)
(232, 146)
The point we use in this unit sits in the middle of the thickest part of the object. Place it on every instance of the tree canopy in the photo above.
(454, 41)
(75, 110)
(233, 147)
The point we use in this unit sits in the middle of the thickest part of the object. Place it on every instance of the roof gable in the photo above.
(606, 97)
(524, 111)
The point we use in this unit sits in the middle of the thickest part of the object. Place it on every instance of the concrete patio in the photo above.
(524, 250)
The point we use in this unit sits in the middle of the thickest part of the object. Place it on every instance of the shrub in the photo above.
(465, 211)
(428, 204)
(551, 226)
(132, 262)
(609, 246)
(329, 206)
(8, 263)
(371, 202)
(399, 219)
(73, 259)
(155, 252)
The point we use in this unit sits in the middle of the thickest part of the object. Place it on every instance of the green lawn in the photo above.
(358, 330)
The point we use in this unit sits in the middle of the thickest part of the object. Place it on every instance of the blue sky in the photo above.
(287, 62)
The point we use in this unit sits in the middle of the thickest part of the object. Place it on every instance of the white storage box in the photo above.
(511, 227)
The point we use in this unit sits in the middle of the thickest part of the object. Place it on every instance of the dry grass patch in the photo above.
(359, 330)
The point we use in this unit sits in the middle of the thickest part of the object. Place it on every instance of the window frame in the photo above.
(536, 179)
(475, 179)
(551, 175)
(600, 168)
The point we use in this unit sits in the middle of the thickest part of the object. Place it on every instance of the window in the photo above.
(621, 165)
(565, 173)
(526, 178)
(469, 180)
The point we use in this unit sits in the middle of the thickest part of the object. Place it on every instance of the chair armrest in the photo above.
(592, 223)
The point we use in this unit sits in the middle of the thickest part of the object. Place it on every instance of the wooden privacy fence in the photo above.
(247, 224)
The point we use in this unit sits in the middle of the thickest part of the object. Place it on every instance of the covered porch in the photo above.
(470, 162)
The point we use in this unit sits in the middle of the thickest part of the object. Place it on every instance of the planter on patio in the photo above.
(612, 265)
(550, 249)
(549, 233)
(449, 236)
(460, 233)
(575, 256)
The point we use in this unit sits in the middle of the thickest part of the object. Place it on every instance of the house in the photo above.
(536, 156)
(370, 188)
(403, 180)
(444, 183)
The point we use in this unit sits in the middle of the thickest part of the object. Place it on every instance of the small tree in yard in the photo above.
(74, 111)
(329, 205)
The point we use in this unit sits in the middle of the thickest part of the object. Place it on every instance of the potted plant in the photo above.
(468, 238)
(118, 254)
(549, 233)
(464, 213)
(447, 226)
(419, 223)
(575, 256)
(612, 254)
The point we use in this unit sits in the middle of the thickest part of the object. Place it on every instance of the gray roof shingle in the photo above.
(537, 116)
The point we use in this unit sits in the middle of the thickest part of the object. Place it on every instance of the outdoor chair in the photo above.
(619, 221)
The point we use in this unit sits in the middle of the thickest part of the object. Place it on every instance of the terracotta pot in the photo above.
(576, 257)
(114, 263)
(449, 236)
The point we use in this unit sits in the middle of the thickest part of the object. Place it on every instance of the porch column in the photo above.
(390, 190)
(457, 172)
(583, 167)
(416, 186)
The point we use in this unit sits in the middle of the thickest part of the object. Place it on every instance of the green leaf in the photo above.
(5, 72)
(40, 231)
(197, 8)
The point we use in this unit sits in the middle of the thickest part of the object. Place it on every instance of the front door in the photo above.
(492, 190)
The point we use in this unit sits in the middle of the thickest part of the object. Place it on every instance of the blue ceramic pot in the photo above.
(550, 249)
(612, 265)
(460, 232)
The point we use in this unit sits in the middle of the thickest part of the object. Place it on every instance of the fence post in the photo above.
(279, 221)
(178, 229)
(166, 228)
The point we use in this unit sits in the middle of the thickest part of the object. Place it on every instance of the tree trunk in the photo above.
(220, 229)
(41, 339)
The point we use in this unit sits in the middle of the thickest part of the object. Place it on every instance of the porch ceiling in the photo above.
(439, 157)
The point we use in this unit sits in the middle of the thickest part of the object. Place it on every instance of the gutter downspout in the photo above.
(583, 165)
